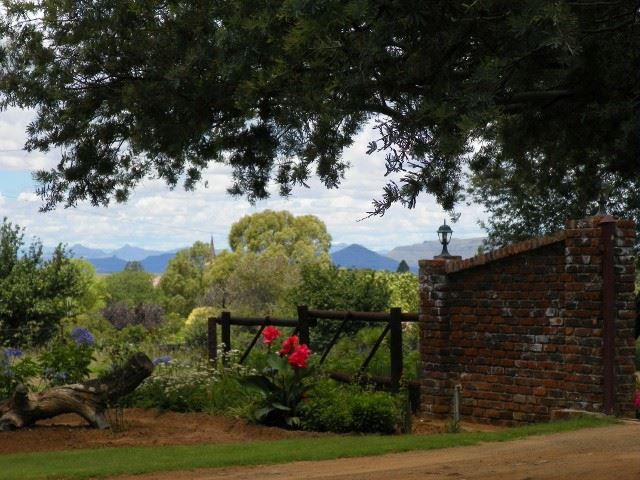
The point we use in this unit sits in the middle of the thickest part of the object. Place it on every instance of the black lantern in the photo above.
(444, 235)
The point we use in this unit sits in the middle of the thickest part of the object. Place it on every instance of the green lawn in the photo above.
(113, 461)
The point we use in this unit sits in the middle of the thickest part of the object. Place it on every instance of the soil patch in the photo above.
(152, 427)
(143, 427)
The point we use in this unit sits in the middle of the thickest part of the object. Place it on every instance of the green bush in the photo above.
(175, 386)
(15, 369)
(183, 387)
(350, 408)
(351, 350)
(638, 354)
(66, 360)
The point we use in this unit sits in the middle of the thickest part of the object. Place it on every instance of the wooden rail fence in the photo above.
(308, 319)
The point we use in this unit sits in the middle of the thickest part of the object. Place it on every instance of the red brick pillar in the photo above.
(434, 337)
(582, 316)
(625, 314)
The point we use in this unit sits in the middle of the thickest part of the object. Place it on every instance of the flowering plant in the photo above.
(68, 361)
(269, 334)
(636, 403)
(15, 369)
(282, 384)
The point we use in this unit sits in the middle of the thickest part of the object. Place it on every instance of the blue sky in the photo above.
(12, 182)
(158, 218)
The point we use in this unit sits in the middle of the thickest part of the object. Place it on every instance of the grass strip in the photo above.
(103, 462)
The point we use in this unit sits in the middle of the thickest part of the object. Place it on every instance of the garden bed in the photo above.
(152, 427)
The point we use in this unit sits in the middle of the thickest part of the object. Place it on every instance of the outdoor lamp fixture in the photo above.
(444, 235)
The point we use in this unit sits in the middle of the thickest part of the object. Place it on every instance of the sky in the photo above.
(161, 219)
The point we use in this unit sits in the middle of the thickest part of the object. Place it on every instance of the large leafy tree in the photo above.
(36, 293)
(183, 282)
(268, 249)
(132, 298)
(278, 88)
(301, 238)
(131, 286)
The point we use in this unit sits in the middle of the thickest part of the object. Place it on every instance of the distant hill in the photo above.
(111, 261)
(80, 251)
(107, 265)
(357, 256)
(157, 263)
(465, 247)
(131, 253)
(349, 256)
(336, 247)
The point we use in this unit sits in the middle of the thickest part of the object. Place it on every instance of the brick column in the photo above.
(582, 364)
(583, 319)
(625, 314)
(434, 337)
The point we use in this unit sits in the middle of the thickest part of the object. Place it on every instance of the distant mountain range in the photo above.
(110, 261)
(348, 256)
(465, 247)
(128, 253)
(357, 256)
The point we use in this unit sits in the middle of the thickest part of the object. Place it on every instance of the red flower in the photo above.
(269, 334)
(637, 400)
(299, 356)
(289, 345)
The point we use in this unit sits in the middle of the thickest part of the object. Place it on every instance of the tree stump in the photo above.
(89, 399)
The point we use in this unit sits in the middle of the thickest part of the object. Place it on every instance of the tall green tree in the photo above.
(267, 251)
(183, 281)
(301, 238)
(217, 273)
(132, 298)
(277, 89)
(132, 287)
(403, 267)
(35, 294)
(328, 287)
(262, 285)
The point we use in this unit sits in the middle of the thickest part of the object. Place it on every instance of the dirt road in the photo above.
(610, 453)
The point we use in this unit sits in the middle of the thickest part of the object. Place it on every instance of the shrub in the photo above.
(351, 350)
(374, 412)
(187, 387)
(119, 345)
(175, 386)
(15, 369)
(121, 314)
(67, 360)
(350, 408)
(283, 383)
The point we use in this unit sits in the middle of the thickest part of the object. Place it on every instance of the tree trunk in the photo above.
(89, 399)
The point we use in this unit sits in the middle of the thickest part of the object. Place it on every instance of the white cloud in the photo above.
(156, 217)
(30, 197)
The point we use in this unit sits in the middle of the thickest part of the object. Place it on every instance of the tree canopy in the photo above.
(541, 91)
(183, 281)
(36, 293)
(299, 238)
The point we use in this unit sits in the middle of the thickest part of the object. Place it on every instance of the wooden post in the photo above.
(395, 347)
(225, 323)
(212, 340)
(608, 232)
(303, 324)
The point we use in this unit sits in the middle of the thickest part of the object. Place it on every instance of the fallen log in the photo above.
(89, 399)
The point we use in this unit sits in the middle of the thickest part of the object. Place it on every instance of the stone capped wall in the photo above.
(520, 329)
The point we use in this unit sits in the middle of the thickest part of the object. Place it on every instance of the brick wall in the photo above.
(520, 329)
